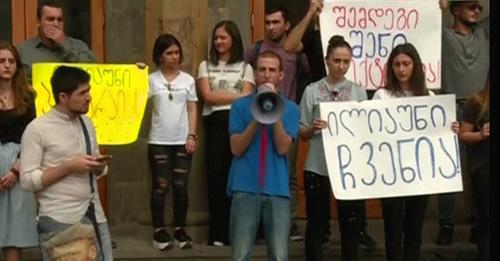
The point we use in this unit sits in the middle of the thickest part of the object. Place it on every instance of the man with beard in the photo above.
(60, 161)
(465, 56)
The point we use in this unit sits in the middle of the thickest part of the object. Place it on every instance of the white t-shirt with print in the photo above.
(227, 78)
(169, 123)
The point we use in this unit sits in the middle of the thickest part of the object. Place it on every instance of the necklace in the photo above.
(3, 102)
(5, 98)
(5, 93)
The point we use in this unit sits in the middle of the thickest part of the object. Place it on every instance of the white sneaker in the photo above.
(162, 240)
(182, 239)
(218, 244)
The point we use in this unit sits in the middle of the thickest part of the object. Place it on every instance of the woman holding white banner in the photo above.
(404, 216)
(334, 87)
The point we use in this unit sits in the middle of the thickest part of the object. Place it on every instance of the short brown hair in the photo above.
(270, 54)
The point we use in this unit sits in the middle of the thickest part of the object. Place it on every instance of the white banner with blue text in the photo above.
(392, 148)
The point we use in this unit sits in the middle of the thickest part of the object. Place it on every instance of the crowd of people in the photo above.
(49, 165)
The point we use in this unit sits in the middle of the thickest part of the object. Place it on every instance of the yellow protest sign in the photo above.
(119, 95)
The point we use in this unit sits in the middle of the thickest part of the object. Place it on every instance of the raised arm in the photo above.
(443, 4)
(293, 42)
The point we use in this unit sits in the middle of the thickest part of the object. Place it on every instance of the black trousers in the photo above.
(318, 194)
(169, 164)
(480, 188)
(219, 156)
(403, 224)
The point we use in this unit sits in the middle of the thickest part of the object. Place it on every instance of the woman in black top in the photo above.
(475, 133)
(17, 207)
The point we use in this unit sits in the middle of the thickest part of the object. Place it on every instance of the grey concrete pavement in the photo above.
(135, 243)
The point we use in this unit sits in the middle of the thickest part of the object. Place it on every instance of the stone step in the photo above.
(135, 243)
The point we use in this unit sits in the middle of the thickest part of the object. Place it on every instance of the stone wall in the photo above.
(131, 28)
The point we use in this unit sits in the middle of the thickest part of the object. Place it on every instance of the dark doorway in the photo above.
(6, 20)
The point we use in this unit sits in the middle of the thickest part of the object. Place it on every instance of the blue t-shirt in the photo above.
(244, 172)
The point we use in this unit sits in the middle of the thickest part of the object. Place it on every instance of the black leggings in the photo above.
(219, 158)
(318, 191)
(169, 163)
(480, 184)
(403, 225)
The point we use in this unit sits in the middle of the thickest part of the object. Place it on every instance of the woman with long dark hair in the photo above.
(404, 216)
(222, 78)
(17, 109)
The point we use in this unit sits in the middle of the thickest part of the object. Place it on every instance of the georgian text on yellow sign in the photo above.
(119, 95)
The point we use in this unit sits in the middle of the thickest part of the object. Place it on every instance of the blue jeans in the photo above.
(46, 226)
(246, 212)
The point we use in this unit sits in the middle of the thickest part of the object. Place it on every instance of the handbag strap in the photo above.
(91, 209)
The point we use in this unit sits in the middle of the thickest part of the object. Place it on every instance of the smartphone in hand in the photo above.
(102, 158)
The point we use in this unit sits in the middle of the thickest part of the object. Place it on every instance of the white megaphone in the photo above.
(268, 105)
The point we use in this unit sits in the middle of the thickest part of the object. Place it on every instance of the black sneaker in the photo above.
(182, 239)
(366, 242)
(162, 240)
(294, 233)
(445, 236)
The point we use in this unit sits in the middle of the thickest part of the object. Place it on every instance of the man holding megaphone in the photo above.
(268, 105)
(262, 126)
